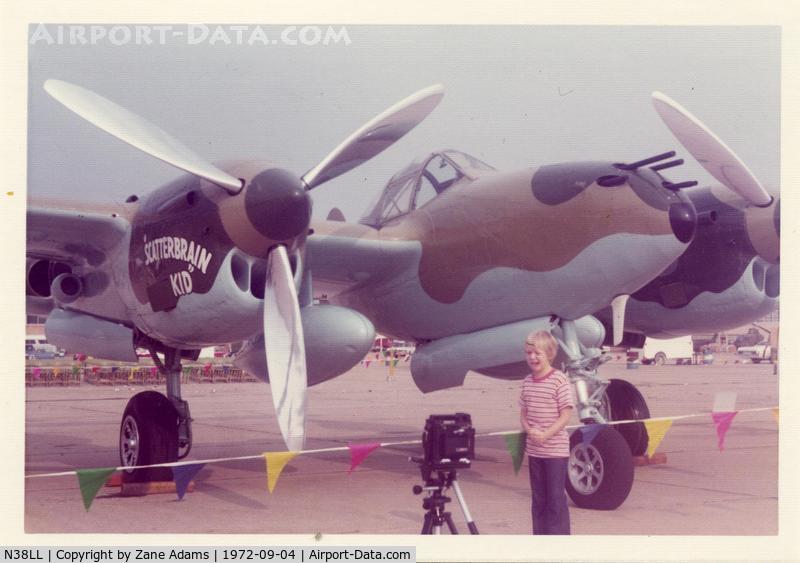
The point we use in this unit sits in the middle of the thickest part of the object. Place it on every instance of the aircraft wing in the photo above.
(73, 236)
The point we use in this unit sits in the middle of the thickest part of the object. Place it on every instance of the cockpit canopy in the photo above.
(420, 182)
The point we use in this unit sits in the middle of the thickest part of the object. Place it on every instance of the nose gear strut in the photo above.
(171, 368)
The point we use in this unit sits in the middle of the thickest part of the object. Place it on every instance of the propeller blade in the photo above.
(376, 135)
(618, 317)
(137, 132)
(284, 347)
(710, 151)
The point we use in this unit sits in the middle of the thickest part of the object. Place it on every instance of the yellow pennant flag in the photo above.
(276, 461)
(656, 430)
(775, 413)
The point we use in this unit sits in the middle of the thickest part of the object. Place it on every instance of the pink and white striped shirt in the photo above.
(543, 400)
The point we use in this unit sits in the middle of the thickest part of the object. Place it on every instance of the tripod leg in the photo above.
(426, 525)
(449, 520)
(473, 529)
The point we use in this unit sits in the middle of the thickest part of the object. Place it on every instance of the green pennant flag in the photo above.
(516, 445)
(90, 481)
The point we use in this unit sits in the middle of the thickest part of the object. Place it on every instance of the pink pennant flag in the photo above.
(723, 421)
(37, 372)
(154, 371)
(359, 452)
(366, 363)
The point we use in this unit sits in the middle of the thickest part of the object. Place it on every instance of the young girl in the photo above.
(546, 407)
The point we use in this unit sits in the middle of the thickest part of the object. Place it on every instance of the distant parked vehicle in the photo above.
(757, 353)
(660, 351)
(42, 352)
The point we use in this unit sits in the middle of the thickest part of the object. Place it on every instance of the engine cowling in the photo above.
(336, 339)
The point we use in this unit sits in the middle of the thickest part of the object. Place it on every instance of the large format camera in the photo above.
(448, 441)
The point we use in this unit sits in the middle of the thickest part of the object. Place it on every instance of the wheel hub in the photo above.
(585, 469)
(129, 442)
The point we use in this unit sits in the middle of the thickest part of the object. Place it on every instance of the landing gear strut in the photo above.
(156, 429)
(600, 470)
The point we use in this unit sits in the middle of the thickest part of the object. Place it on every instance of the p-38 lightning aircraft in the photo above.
(455, 255)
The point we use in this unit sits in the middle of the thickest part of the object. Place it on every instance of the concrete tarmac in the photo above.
(700, 490)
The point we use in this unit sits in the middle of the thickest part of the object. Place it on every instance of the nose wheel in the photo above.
(156, 428)
(148, 435)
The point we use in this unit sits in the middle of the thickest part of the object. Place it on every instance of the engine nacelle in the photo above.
(336, 339)
(754, 295)
(85, 334)
(498, 352)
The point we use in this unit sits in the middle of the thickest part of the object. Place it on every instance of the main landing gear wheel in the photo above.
(600, 474)
(624, 402)
(148, 435)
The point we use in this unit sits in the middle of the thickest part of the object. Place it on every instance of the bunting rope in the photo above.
(385, 444)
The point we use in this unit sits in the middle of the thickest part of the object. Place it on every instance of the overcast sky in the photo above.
(514, 96)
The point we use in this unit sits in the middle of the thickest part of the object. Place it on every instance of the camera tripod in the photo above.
(434, 503)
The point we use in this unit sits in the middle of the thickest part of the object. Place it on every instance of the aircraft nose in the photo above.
(683, 220)
(278, 205)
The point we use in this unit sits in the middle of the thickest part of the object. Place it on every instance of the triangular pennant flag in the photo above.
(366, 363)
(358, 452)
(775, 413)
(183, 475)
(276, 461)
(37, 372)
(589, 432)
(90, 481)
(516, 446)
(656, 430)
(723, 421)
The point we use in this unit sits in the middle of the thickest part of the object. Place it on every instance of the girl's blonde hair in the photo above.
(544, 341)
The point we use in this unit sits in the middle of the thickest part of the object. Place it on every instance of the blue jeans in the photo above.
(549, 504)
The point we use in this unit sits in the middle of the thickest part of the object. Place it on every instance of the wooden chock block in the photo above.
(115, 480)
(152, 488)
(655, 459)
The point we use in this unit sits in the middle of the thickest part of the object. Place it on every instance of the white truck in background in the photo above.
(757, 353)
(660, 351)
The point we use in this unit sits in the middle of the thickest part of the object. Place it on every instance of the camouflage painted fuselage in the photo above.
(505, 247)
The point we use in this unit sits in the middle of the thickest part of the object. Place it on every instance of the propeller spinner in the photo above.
(277, 205)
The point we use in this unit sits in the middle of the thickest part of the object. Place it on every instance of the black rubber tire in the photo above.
(156, 422)
(609, 483)
(625, 402)
(660, 359)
